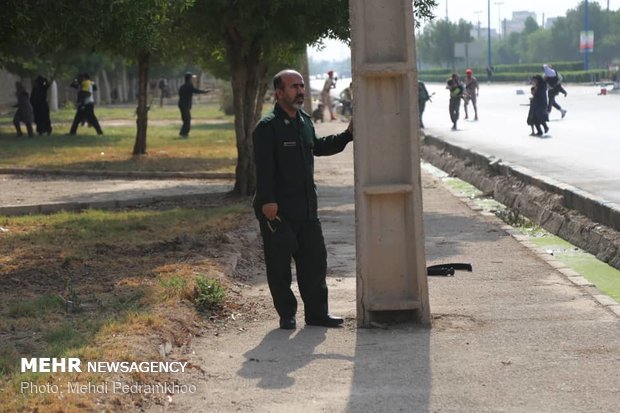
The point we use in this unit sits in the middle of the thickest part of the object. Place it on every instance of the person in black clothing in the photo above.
(186, 93)
(285, 203)
(23, 114)
(538, 115)
(423, 97)
(38, 100)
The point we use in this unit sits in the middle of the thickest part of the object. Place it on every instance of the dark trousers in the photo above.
(42, 118)
(85, 113)
(186, 117)
(455, 105)
(421, 107)
(552, 103)
(310, 263)
(16, 121)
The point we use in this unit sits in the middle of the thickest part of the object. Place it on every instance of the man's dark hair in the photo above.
(278, 83)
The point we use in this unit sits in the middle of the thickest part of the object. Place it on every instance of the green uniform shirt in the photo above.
(284, 150)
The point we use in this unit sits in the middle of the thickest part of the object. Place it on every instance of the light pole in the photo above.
(586, 50)
(499, 16)
(477, 13)
(489, 63)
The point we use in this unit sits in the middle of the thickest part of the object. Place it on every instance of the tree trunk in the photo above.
(123, 96)
(142, 111)
(98, 94)
(244, 81)
(105, 90)
(263, 87)
(305, 72)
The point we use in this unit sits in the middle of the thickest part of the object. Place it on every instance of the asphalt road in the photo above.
(582, 150)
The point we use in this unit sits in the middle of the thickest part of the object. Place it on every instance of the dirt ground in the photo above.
(513, 336)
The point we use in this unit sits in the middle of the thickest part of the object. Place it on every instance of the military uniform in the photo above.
(186, 93)
(284, 150)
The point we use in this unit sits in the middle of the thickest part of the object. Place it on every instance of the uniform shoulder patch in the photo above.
(268, 118)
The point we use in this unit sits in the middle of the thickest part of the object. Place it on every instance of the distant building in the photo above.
(483, 33)
(550, 22)
(517, 23)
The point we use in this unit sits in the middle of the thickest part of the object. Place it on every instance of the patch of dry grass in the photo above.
(132, 274)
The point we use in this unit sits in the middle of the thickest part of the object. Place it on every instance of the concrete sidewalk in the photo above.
(516, 335)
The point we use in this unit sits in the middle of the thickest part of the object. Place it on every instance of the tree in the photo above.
(530, 26)
(140, 30)
(438, 39)
(249, 36)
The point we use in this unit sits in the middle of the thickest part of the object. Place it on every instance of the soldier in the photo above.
(330, 83)
(286, 202)
(423, 97)
(186, 93)
(456, 88)
(471, 93)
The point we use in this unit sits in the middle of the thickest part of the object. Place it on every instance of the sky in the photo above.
(466, 9)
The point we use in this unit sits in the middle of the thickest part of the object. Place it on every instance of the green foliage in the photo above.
(208, 294)
(436, 44)
(33, 307)
(173, 287)
(559, 42)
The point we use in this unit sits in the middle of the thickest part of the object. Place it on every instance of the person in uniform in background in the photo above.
(23, 114)
(554, 88)
(326, 98)
(40, 107)
(346, 98)
(456, 89)
(471, 93)
(186, 94)
(423, 97)
(285, 203)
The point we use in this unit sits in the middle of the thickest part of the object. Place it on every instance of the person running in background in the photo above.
(40, 107)
(23, 114)
(456, 88)
(471, 93)
(554, 84)
(329, 84)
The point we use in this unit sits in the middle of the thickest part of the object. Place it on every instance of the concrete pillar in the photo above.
(391, 266)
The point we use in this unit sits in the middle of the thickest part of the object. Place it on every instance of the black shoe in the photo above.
(326, 321)
(288, 323)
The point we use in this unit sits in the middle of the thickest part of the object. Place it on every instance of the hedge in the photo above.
(575, 76)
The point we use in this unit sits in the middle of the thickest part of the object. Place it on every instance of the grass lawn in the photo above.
(106, 286)
(211, 146)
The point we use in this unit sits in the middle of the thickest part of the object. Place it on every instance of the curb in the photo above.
(587, 221)
(118, 174)
(81, 206)
(591, 206)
